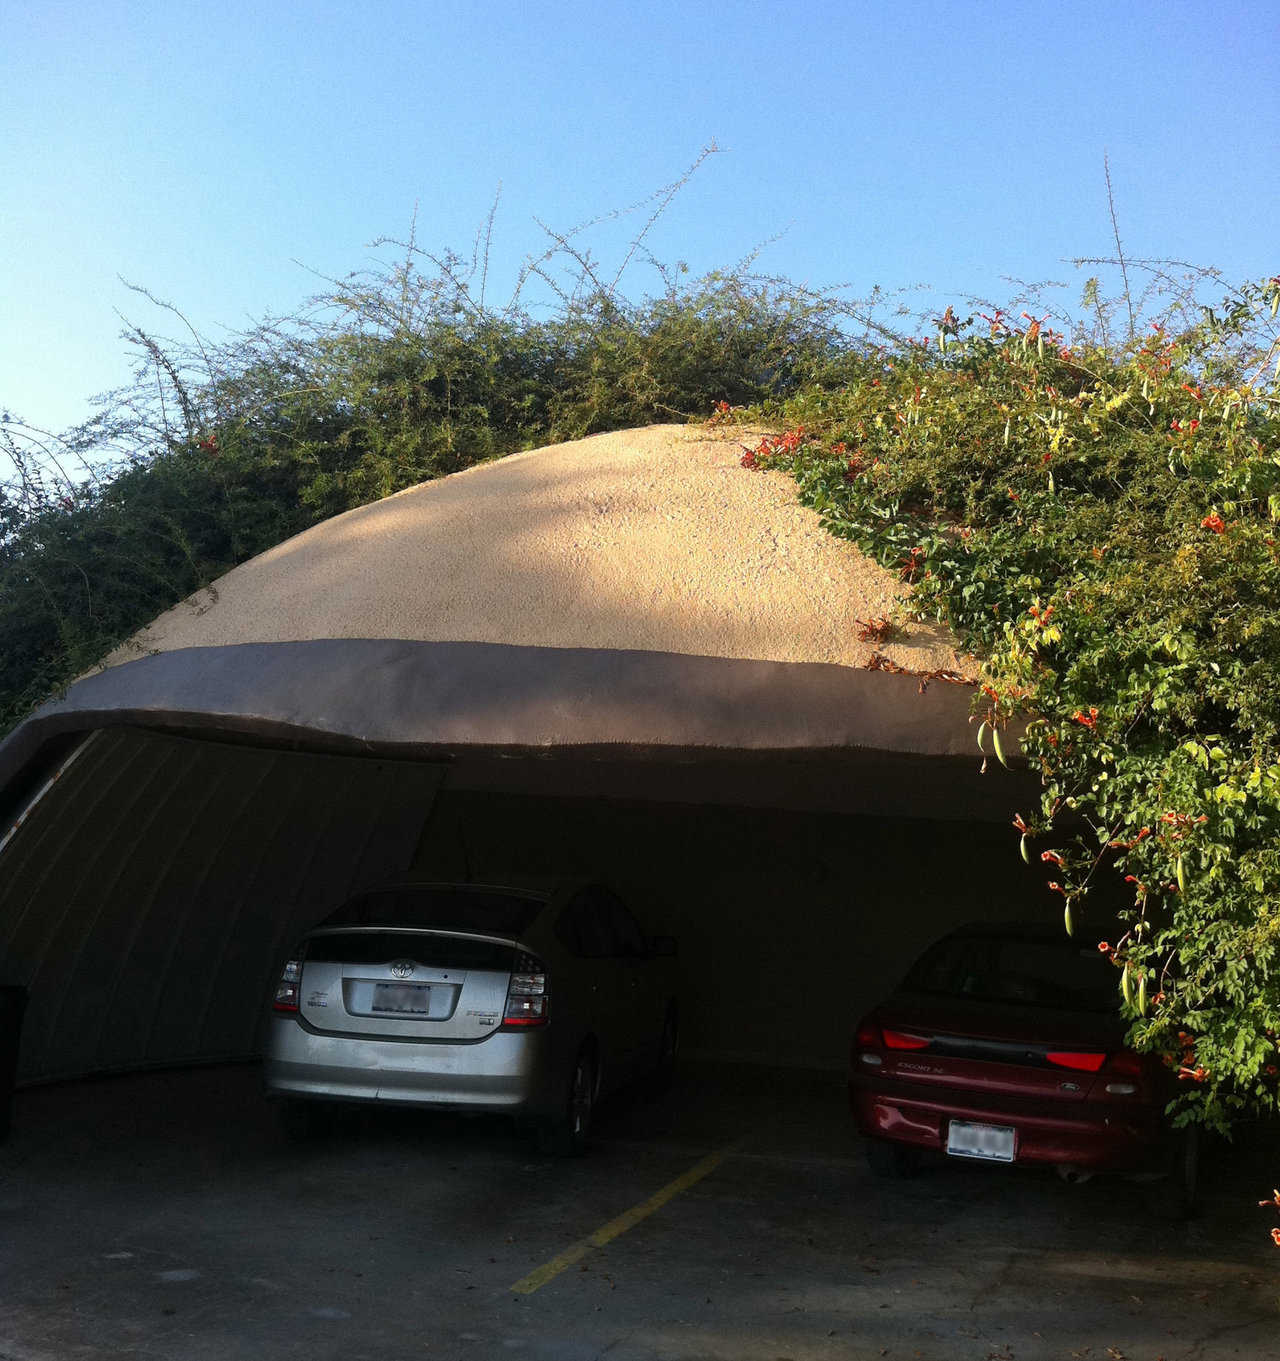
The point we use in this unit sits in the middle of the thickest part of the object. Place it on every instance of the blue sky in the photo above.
(202, 150)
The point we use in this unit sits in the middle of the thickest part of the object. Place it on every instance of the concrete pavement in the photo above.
(164, 1215)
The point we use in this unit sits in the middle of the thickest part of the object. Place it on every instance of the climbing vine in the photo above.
(1100, 528)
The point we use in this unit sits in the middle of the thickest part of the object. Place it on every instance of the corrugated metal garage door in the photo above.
(146, 901)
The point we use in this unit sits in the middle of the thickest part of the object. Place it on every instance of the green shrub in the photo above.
(391, 378)
(1100, 528)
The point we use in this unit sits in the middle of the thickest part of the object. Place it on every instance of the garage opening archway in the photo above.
(149, 896)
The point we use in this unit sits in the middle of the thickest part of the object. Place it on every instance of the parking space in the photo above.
(164, 1215)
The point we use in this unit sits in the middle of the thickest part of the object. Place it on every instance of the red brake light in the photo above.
(868, 1035)
(289, 987)
(1130, 1069)
(1126, 1062)
(899, 1039)
(526, 994)
(1084, 1063)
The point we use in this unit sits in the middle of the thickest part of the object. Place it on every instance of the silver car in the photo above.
(473, 997)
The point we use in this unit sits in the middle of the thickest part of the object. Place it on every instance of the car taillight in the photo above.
(1082, 1062)
(867, 1039)
(289, 986)
(527, 994)
(1125, 1072)
(899, 1039)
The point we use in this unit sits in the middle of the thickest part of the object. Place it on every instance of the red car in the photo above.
(1004, 1044)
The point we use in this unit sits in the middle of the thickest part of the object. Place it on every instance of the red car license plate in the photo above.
(966, 1139)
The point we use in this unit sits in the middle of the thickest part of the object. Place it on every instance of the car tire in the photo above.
(888, 1159)
(664, 1073)
(566, 1135)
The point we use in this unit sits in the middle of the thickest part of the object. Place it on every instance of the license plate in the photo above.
(411, 999)
(968, 1140)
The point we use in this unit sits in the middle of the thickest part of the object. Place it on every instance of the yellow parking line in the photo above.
(548, 1271)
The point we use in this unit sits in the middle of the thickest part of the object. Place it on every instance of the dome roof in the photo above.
(635, 590)
(654, 540)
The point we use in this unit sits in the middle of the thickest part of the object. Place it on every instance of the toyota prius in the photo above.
(469, 997)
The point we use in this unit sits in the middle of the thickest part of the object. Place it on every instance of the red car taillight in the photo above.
(527, 995)
(868, 1040)
(1124, 1075)
(1081, 1061)
(900, 1039)
(872, 1038)
(289, 986)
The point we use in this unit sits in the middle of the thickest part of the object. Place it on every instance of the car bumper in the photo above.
(1088, 1135)
(511, 1071)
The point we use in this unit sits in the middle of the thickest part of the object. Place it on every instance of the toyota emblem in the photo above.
(402, 968)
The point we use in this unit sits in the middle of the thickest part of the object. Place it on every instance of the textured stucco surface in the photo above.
(654, 540)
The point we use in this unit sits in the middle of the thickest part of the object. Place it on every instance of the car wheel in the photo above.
(888, 1159)
(567, 1134)
(668, 1049)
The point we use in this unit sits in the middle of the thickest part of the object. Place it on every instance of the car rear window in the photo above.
(489, 912)
(1025, 972)
(435, 952)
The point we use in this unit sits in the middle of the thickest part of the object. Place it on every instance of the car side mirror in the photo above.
(663, 946)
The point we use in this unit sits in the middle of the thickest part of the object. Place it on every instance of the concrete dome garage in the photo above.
(623, 656)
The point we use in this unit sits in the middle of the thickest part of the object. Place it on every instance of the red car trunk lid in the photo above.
(986, 1047)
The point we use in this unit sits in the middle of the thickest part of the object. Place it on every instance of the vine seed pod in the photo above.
(1126, 987)
(995, 742)
(1181, 874)
(1023, 850)
(1067, 921)
(982, 732)
(1142, 994)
